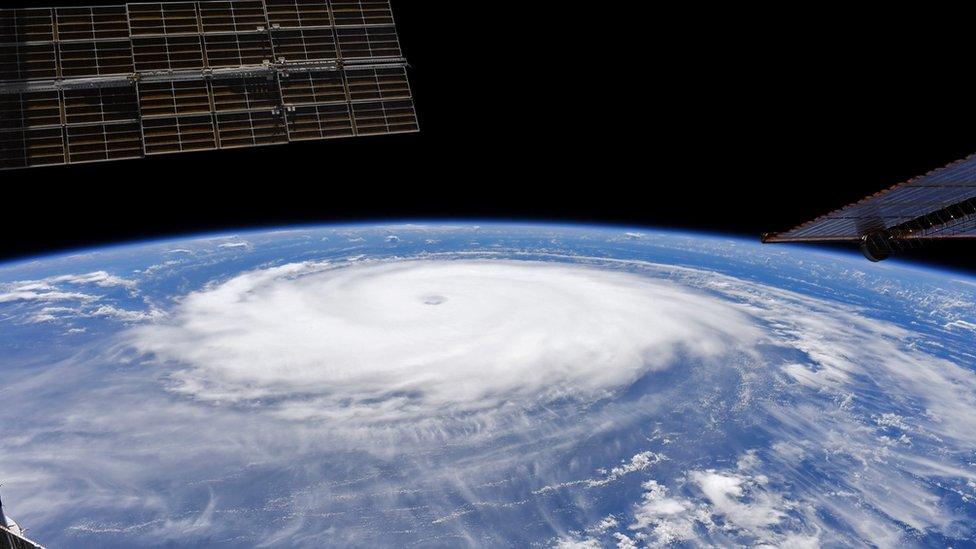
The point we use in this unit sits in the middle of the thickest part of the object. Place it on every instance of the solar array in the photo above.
(116, 82)
(10, 539)
(938, 205)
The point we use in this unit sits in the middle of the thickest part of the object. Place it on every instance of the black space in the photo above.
(731, 120)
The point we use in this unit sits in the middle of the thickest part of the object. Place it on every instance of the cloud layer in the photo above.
(391, 341)
(273, 402)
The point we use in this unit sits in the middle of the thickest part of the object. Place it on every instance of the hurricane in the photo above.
(418, 339)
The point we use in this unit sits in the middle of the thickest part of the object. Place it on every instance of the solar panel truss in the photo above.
(937, 206)
(115, 82)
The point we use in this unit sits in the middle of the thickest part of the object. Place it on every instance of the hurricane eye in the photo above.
(434, 299)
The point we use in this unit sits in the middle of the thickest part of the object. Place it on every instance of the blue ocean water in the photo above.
(569, 386)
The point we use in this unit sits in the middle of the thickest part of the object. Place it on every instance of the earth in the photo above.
(496, 385)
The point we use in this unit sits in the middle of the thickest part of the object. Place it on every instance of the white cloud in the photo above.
(50, 289)
(608, 523)
(393, 341)
(735, 503)
(727, 491)
(818, 387)
(639, 462)
(124, 315)
(34, 293)
(101, 279)
(961, 325)
(624, 541)
(577, 543)
(667, 519)
(891, 420)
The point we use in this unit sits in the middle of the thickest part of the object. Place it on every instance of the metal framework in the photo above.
(117, 82)
(13, 540)
(940, 205)
(11, 535)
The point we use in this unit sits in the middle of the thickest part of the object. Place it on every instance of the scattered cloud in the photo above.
(639, 462)
(124, 315)
(43, 295)
(101, 279)
(961, 325)
(666, 519)
(742, 501)
(572, 542)
(53, 288)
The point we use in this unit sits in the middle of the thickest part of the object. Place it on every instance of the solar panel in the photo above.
(90, 24)
(169, 19)
(31, 130)
(112, 82)
(299, 13)
(305, 44)
(100, 105)
(368, 42)
(240, 16)
(27, 148)
(362, 12)
(27, 46)
(97, 58)
(166, 99)
(384, 117)
(173, 134)
(938, 205)
(20, 26)
(320, 122)
(167, 53)
(385, 83)
(98, 142)
(30, 110)
(245, 94)
(314, 88)
(236, 50)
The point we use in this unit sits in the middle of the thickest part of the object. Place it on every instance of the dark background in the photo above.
(737, 121)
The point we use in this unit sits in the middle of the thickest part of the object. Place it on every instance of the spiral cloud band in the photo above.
(390, 341)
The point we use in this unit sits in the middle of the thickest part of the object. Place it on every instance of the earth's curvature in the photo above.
(494, 385)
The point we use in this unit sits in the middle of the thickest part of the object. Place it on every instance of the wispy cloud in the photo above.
(241, 245)
(53, 288)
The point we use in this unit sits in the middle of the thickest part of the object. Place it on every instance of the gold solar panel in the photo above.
(948, 195)
(89, 84)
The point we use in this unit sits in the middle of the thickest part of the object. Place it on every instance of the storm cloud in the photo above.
(394, 341)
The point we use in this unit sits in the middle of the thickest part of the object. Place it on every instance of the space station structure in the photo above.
(101, 83)
(11, 534)
(937, 206)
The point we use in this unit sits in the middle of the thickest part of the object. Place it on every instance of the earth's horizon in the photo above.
(486, 384)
